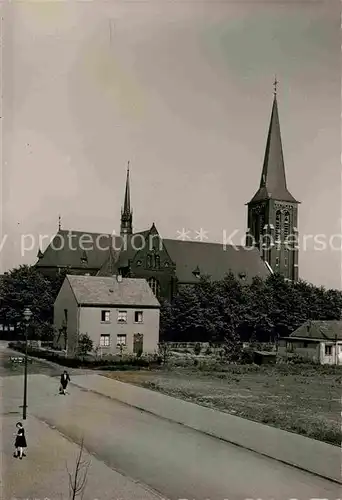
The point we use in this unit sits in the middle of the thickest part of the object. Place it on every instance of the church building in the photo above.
(168, 264)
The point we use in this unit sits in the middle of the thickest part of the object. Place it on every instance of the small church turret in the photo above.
(273, 211)
(126, 212)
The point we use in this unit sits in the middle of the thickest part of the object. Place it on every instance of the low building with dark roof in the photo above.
(119, 314)
(320, 341)
(170, 263)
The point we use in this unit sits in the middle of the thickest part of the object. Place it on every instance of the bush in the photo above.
(247, 357)
(107, 364)
(197, 349)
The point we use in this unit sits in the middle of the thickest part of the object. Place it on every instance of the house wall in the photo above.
(313, 350)
(90, 323)
(310, 350)
(66, 300)
(336, 353)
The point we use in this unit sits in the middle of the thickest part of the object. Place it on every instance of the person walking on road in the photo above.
(20, 441)
(65, 379)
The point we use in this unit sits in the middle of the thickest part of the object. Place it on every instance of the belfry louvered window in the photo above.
(277, 228)
(286, 225)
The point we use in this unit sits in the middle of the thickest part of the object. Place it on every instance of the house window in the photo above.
(155, 286)
(328, 350)
(277, 261)
(138, 316)
(286, 258)
(105, 316)
(121, 339)
(104, 340)
(122, 317)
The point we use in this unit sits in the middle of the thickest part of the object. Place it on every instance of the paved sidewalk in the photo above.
(42, 474)
(307, 454)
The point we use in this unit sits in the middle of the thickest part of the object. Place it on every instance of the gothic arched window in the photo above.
(157, 261)
(149, 261)
(261, 225)
(286, 225)
(278, 226)
(155, 286)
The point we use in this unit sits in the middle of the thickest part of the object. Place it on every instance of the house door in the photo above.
(138, 343)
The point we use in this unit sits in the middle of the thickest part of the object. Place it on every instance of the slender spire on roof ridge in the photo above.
(127, 201)
(40, 253)
(126, 212)
(59, 223)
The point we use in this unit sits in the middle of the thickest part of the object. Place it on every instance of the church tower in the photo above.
(126, 212)
(273, 211)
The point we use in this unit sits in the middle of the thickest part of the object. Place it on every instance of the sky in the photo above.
(181, 89)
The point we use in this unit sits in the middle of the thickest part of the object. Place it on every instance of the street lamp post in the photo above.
(27, 316)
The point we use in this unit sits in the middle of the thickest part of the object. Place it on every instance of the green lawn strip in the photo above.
(307, 404)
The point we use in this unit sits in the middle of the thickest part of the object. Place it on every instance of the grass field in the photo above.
(304, 400)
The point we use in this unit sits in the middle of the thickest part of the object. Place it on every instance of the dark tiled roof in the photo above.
(214, 260)
(323, 330)
(65, 250)
(211, 258)
(96, 290)
(273, 178)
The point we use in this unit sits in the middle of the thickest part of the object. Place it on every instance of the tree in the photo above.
(227, 311)
(26, 287)
(78, 479)
(164, 350)
(84, 345)
(258, 323)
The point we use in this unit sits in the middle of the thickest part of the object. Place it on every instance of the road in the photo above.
(173, 460)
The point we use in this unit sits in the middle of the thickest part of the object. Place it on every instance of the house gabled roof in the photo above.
(109, 291)
(68, 249)
(321, 330)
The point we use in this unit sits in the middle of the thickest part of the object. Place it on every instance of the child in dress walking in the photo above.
(20, 441)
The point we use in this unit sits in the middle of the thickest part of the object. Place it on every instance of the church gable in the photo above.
(79, 250)
(146, 251)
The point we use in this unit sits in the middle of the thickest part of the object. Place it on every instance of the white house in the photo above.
(117, 313)
(320, 341)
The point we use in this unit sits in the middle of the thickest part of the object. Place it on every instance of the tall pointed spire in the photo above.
(59, 223)
(127, 202)
(273, 178)
(126, 212)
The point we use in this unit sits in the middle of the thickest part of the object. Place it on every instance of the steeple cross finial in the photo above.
(128, 165)
(275, 85)
(59, 223)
